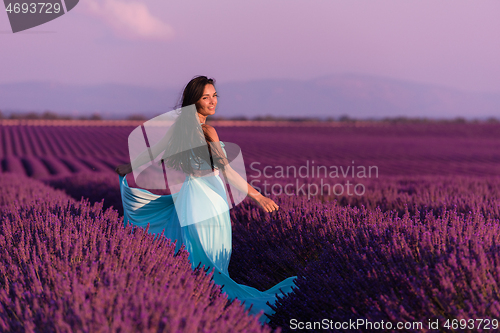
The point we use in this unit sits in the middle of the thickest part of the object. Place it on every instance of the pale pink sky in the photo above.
(453, 43)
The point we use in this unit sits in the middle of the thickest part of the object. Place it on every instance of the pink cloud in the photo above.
(131, 20)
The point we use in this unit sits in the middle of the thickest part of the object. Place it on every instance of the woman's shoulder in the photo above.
(210, 131)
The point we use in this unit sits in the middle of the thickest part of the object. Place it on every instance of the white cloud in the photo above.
(129, 19)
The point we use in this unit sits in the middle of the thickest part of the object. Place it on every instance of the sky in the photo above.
(451, 43)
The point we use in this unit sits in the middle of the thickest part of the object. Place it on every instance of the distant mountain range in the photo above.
(357, 96)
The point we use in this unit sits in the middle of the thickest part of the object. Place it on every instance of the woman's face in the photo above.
(207, 103)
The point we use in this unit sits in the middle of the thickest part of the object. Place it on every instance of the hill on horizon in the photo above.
(354, 95)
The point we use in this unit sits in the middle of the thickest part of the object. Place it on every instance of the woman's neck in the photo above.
(202, 118)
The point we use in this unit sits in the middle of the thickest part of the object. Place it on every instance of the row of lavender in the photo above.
(69, 266)
(398, 149)
(402, 149)
(398, 193)
(44, 151)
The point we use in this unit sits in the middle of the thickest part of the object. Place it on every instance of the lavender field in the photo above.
(420, 243)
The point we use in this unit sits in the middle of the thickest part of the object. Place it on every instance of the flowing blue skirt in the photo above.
(208, 241)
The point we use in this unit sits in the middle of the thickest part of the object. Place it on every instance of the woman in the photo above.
(198, 214)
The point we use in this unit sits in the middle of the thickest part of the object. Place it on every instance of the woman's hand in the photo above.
(237, 181)
(265, 203)
(123, 169)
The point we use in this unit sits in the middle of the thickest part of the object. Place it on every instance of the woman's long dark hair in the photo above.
(181, 160)
(192, 93)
